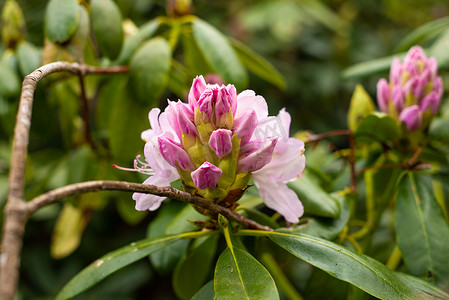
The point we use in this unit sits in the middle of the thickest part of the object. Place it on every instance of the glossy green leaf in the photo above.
(423, 33)
(258, 65)
(191, 271)
(361, 105)
(219, 54)
(9, 81)
(358, 269)
(370, 67)
(110, 91)
(149, 70)
(61, 20)
(329, 228)
(165, 261)
(29, 58)
(420, 226)
(316, 201)
(378, 127)
(238, 275)
(116, 260)
(130, 45)
(80, 38)
(259, 217)
(107, 26)
(206, 292)
(423, 285)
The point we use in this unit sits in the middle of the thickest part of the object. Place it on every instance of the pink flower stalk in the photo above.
(215, 142)
(414, 92)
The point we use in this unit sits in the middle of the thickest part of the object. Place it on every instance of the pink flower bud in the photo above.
(206, 102)
(221, 142)
(256, 154)
(383, 94)
(198, 87)
(180, 117)
(244, 125)
(174, 153)
(206, 176)
(412, 117)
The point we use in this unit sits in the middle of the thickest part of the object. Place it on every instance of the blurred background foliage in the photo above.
(315, 45)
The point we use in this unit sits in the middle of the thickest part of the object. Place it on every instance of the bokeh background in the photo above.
(310, 42)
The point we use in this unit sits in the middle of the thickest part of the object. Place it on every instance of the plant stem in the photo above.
(395, 258)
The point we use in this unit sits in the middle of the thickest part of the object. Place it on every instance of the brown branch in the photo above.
(165, 191)
(411, 164)
(16, 210)
(318, 137)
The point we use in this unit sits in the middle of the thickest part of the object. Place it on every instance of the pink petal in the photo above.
(412, 117)
(383, 95)
(244, 126)
(395, 71)
(221, 142)
(206, 176)
(174, 153)
(280, 198)
(255, 155)
(198, 87)
(432, 101)
(154, 158)
(247, 101)
(206, 101)
(288, 157)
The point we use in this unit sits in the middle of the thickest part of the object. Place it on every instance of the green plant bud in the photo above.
(13, 24)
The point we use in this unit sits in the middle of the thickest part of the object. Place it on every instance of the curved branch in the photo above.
(165, 191)
(16, 209)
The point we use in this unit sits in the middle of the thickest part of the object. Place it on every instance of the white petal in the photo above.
(288, 157)
(247, 101)
(154, 158)
(280, 198)
(148, 201)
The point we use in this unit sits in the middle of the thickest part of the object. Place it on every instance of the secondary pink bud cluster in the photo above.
(414, 92)
(211, 144)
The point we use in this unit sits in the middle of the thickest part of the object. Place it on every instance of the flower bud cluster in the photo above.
(211, 144)
(414, 92)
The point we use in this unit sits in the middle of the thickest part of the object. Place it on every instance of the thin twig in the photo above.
(318, 137)
(16, 209)
(165, 191)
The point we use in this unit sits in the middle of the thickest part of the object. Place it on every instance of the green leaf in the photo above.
(195, 62)
(328, 228)
(219, 54)
(9, 81)
(130, 45)
(439, 128)
(259, 217)
(61, 20)
(149, 70)
(361, 105)
(420, 226)
(258, 65)
(424, 286)
(29, 58)
(423, 33)
(128, 213)
(238, 275)
(206, 292)
(191, 272)
(177, 82)
(378, 127)
(370, 67)
(126, 122)
(439, 50)
(316, 201)
(116, 260)
(13, 27)
(165, 261)
(107, 26)
(358, 269)
(68, 231)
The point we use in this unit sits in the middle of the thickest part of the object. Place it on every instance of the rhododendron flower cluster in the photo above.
(414, 92)
(215, 143)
